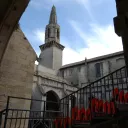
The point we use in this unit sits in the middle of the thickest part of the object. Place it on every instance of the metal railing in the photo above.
(20, 114)
(100, 89)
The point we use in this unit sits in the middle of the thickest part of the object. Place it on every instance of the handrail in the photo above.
(93, 82)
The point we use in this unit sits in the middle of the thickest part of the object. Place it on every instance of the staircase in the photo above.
(103, 103)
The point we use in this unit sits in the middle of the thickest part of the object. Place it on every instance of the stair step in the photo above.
(122, 107)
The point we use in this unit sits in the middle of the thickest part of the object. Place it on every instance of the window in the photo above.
(48, 32)
(109, 66)
(58, 34)
(99, 69)
(62, 73)
(70, 71)
(79, 69)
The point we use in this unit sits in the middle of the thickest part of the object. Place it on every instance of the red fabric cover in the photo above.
(97, 105)
(126, 97)
(115, 93)
(113, 109)
(67, 121)
(88, 114)
(101, 106)
(74, 113)
(109, 108)
(82, 114)
(93, 103)
(78, 115)
(121, 96)
(105, 107)
(56, 122)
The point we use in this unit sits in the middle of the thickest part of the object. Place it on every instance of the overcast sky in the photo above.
(86, 27)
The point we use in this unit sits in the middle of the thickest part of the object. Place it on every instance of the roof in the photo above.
(93, 59)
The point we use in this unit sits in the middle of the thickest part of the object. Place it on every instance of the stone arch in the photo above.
(52, 102)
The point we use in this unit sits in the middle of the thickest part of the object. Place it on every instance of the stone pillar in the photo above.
(121, 25)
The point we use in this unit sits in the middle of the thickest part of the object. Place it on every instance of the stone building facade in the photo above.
(52, 81)
(84, 72)
(17, 70)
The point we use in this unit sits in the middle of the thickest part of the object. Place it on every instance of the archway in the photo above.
(52, 103)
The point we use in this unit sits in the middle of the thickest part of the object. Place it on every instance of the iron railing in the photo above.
(100, 89)
(20, 114)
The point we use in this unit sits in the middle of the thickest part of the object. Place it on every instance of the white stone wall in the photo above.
(87, 73)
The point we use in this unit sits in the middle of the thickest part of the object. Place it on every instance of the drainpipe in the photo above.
(86, 70)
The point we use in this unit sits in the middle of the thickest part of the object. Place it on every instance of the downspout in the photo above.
(87, 71)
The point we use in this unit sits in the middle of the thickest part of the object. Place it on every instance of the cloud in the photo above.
(100, 41)
(38, 4)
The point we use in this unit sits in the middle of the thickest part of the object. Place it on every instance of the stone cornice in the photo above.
(51, 43)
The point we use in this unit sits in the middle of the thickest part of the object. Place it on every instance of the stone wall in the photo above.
(16, 71)
(84, 73)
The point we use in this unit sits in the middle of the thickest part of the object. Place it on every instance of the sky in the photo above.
(87, 29)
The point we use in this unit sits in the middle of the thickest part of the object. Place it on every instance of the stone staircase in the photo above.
(103, 103)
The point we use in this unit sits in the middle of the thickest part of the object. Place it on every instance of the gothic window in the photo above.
(79, 69)
(48, 32)
(58, 34)
(109, 66)
(70, 71)
(62, 73)
(98, 69)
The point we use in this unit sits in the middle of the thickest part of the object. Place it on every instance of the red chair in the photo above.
(105, 107)
(113, 108)
(93, 103)
(83, 114)
(126, 97)
(74, 113)
(108, 108)
(101, 106)
(56, 122)
(88, 114)
(97, 105)
(78, 115)
(121, 97)
(115, 93)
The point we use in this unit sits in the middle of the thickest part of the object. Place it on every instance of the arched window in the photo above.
(58, 34)
(48, 32)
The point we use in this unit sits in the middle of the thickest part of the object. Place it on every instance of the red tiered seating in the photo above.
(97, 106)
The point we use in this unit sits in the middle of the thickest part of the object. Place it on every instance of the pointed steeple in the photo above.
(53, 16)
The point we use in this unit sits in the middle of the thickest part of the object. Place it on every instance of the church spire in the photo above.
(53, 16)
(52, 32)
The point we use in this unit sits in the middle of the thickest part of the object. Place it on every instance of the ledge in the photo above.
(51, 43)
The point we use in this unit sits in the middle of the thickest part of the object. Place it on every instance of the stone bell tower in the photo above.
(51, 51)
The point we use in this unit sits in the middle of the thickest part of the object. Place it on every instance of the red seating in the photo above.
(88, 114)
(113, 109)
(56, 122)
(121, 96)
(78, 115)
(115, 93)
(105, 107)
(101, 106)
(97, 106)
(74, 113)
(83, 114)
(126, 97)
